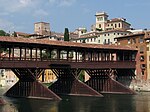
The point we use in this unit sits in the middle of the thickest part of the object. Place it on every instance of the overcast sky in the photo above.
(20, 15)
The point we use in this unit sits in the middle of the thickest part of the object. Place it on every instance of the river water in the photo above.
(109, 103)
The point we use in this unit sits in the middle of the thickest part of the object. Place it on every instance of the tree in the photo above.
(2, 33)
(81, 76)
(15, 34)
(66, 34)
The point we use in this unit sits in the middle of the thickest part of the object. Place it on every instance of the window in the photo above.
(141, 40)
(115, 25)
(141, 49)
(100, 26)
(129, 41)
(119, 25)
(142, 72)
(143, 66)
(108, 41)
(87, 40)
(105, 41)
(134, 40)
(98, 41)
(100, 19)
(142, 58)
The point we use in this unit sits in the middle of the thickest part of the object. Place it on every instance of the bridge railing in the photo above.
(53, 59)
(46, 63)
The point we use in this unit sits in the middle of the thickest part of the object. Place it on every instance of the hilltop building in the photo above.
(104, 24)
(42, 28)
(104, 30)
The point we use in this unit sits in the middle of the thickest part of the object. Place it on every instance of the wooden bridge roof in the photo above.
(21, 40)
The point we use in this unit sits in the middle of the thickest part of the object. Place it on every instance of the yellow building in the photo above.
(49, 76)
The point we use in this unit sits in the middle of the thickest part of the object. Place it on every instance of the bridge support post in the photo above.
(29, 87)
(68, 84)
(104, 81)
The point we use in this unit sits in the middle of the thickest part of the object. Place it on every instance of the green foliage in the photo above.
(3, 33)
(66, 34)
(48, 84)
(15, 34)
(82, 76)
(47, 55)
(27, 36)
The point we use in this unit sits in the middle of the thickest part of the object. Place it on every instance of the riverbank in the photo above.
(143, 86)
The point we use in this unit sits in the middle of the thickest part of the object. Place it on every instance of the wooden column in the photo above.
(41, 54)
(76, 55)
(30, 53)
(98, 55)
(0, 51)
(123, 56)
(58, 54)
(13, 53)
(20, 52)
(9, 53)
(67, 54)
(25, 53)
(36, 54)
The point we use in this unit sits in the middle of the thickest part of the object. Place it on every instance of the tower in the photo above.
(101, 20)
(42, 28)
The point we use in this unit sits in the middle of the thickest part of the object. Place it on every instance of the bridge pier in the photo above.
(68, 84)
(29, 87)
(106, 81)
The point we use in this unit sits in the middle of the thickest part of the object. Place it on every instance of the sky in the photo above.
(20, 15)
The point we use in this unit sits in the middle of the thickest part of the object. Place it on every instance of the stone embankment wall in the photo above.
(140, 85)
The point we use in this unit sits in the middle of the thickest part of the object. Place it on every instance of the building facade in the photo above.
(42, 28)
(104, 24)
(7, 77)
(104, 31)
(141, 42)
(102, 37)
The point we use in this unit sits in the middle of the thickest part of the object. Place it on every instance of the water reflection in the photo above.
(33, 105)
(109, 103)
(76, 104)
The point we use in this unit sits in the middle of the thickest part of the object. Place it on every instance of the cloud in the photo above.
(66, 2)
(25, 2)
(62, 2)
(15, 5)
(12, 6)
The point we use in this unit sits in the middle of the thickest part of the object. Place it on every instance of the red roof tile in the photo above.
(61, 43)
